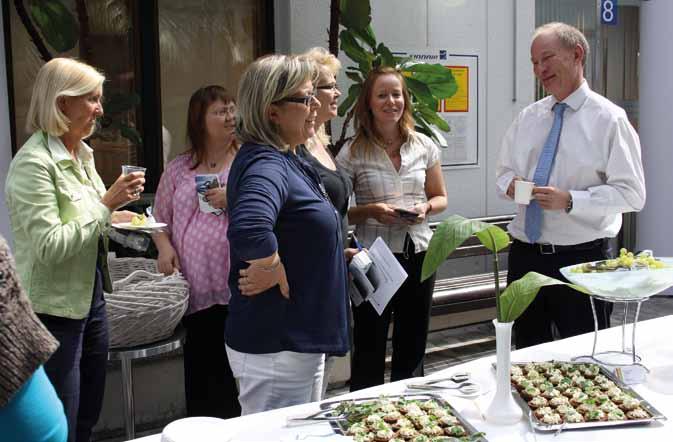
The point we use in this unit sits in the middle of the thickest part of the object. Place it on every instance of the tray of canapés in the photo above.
(571, 395)
(415, 418)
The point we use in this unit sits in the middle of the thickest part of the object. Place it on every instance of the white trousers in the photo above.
(275, 380)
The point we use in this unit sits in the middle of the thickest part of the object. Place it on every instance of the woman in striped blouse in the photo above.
(397, 181)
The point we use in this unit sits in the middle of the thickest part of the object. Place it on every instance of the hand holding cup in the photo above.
(125, 189)
(523, 191)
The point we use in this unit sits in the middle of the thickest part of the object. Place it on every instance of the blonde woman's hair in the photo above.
(267, 81)
(367, 138)
(59, 77)
(328, 65)
(569, 36)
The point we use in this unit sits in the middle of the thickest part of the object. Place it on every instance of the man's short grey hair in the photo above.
(266, 81)
(568, 35)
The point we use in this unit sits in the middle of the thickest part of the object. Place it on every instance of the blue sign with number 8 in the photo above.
(609, 12)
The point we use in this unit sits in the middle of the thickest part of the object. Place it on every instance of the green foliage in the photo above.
(116, 105)
(518, 295)
(57, 25)
(355, 14)
(428, 84)
(451, 233)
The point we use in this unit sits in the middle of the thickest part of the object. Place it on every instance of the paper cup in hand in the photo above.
(523, 191)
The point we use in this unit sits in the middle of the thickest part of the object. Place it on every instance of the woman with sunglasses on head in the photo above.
(398, 182)
(196, 245)
(316, 151)
(284, 228)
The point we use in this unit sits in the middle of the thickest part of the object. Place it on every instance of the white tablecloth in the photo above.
(654, 342)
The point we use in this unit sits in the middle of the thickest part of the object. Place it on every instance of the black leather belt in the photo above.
(551, 249)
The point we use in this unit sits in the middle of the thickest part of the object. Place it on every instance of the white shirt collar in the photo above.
(574, 100)
(60, 153)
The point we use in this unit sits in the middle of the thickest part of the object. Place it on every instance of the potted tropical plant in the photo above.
(427, 83)
(510, 303)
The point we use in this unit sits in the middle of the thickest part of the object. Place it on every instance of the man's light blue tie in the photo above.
(533, 224)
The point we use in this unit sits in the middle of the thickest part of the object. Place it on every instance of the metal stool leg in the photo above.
(127, 390)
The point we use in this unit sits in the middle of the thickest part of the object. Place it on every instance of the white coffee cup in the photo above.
(523, 191)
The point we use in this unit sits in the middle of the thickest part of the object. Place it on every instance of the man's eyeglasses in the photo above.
(328, 87)
(305, 100)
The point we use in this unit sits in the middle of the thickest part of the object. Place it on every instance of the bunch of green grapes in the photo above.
(626, 261)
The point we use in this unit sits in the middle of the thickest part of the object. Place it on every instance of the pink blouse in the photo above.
(199, 238)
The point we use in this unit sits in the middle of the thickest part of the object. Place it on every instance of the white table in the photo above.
(654, 344)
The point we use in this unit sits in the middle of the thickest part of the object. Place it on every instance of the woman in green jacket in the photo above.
(59, 211)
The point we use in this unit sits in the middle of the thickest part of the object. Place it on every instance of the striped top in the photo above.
(375, 180)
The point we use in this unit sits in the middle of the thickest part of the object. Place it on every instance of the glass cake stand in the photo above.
(628, 289)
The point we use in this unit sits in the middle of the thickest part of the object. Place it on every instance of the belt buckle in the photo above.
(547, 249)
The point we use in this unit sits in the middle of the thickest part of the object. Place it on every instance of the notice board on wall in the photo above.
(461, 111)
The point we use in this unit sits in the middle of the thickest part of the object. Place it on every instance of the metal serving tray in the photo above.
(541, 426)
(339, 425)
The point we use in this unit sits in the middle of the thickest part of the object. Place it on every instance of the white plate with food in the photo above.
(146, 226)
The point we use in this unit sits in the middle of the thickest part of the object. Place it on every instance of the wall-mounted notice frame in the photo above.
(460, 111)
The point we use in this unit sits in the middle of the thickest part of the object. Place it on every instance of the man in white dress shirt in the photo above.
(584, 157)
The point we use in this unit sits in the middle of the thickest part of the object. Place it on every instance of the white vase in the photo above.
(503, 409)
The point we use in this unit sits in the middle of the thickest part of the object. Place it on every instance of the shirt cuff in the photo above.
(581, 200)
(502, 184)
(261, 249)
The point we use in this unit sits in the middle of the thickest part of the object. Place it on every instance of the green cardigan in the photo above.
(57, 219)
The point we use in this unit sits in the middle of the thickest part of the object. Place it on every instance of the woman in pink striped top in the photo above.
(196, 245)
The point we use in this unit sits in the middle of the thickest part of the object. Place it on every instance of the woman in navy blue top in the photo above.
(283, 228)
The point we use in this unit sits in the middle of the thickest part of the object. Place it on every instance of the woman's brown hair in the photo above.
(366, 135)
(196, 120)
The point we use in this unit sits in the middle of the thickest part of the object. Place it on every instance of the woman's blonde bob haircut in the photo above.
(328, 66)
(60, 77)
(267, 81)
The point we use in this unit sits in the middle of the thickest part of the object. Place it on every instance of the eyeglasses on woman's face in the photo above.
(306, 100)
(224, 111)
(328, 87)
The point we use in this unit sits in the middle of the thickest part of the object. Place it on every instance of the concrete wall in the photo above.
(656, 126)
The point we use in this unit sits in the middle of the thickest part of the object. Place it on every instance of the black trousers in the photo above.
(77, 369)
(210, 388)
(557, 311)
(410, 308)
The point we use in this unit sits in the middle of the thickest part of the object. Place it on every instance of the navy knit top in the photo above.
(276, 202)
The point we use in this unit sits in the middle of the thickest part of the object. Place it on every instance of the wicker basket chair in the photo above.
(144, 306)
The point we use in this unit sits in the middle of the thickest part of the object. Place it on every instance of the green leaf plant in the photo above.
(518, 295)
(427, 83)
